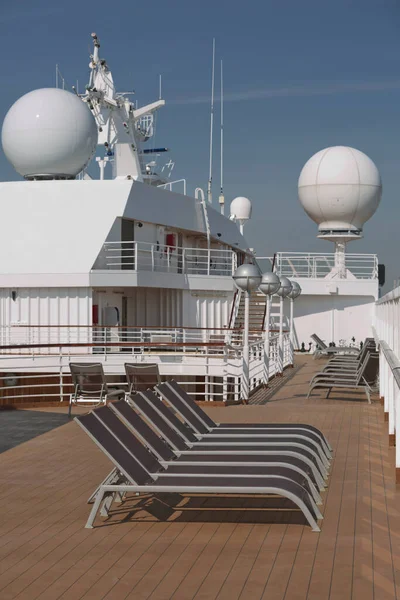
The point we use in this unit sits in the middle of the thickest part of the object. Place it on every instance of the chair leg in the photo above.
(367, 391)
(328, 392)
(95, 508)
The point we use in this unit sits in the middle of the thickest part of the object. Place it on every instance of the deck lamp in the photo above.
(283, 292)
(270, 284)
(246, 278)
(293, 294)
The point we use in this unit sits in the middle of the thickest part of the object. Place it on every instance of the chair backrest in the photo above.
(88, 378)
(160, 425)
(371, 369)
(141, 377)
(135, 422)
(190, 417)
(369, 346)
(185, 431)
(115, 451)
(368, 371)
(184, 396)
(127, 438)
(318, 341)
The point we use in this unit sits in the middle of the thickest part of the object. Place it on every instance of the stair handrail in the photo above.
(265, 307)
(235, 308)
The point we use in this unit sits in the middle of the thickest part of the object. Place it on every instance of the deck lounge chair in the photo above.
(185, 455)
(322, 349)
(202, 424)
(136, 478)
(90, 387)
(364, 378)
(348, 363)
(141, 377)
(126, 436)
(181, 437)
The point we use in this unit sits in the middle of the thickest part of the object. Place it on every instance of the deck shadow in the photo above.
(206, 509)
(19, 426)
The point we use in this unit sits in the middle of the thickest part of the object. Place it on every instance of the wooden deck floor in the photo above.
(46, 553)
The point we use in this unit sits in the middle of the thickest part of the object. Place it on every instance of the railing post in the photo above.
(135, 256)
(246, 354)
(61, 375)
(267, 339)
(280, 345)
(152, 257)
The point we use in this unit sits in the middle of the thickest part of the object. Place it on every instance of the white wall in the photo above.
(332, 318)
(203, 309)
(45, 306)
(146, 307)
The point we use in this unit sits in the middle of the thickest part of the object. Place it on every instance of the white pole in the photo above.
(266, 340)
(291, 336)
(246, 357)
(159, 88)
(221, 196)
(209, 187)
(280, 361)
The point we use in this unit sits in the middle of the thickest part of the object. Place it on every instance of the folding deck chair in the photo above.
(365, 378)
(201, 422)
(90, 387)
(322, 349)
(181, 438)
(343, 363)
(137, 478)
(141, 377)
(191, 437)
(184, 456)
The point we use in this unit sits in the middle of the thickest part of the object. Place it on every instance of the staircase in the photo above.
(256, 314)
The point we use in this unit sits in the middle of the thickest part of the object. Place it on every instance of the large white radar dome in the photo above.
(340, 189)
(49, 133)
(241, 208)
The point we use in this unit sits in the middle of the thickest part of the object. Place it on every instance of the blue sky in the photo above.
(300, 75)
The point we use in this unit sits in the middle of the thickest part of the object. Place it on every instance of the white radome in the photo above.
(340, 189)
(241, 208)
(49, 133)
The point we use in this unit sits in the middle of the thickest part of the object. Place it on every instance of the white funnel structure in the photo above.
(241, 211)
(340, 189)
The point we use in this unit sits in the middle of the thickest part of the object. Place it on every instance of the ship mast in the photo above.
(221, 195)
(209, 187)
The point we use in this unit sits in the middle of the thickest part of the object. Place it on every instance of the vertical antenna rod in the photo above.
(209, 192)
(159, 88)
(221, 196)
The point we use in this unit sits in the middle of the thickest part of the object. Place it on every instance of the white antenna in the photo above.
(159, 88)
(56, 76)
(221, 196)
(209, 192)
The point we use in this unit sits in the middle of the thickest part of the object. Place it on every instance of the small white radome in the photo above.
(241, 208)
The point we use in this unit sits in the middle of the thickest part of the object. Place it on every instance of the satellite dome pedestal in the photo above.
(340, 189)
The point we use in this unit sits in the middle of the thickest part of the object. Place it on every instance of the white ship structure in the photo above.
(123, 266)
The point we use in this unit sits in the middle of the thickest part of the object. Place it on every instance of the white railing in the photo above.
(144, 256)
(315, 265)
(387, 335)
(36, 373)
(169, 185)
(96, 339)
